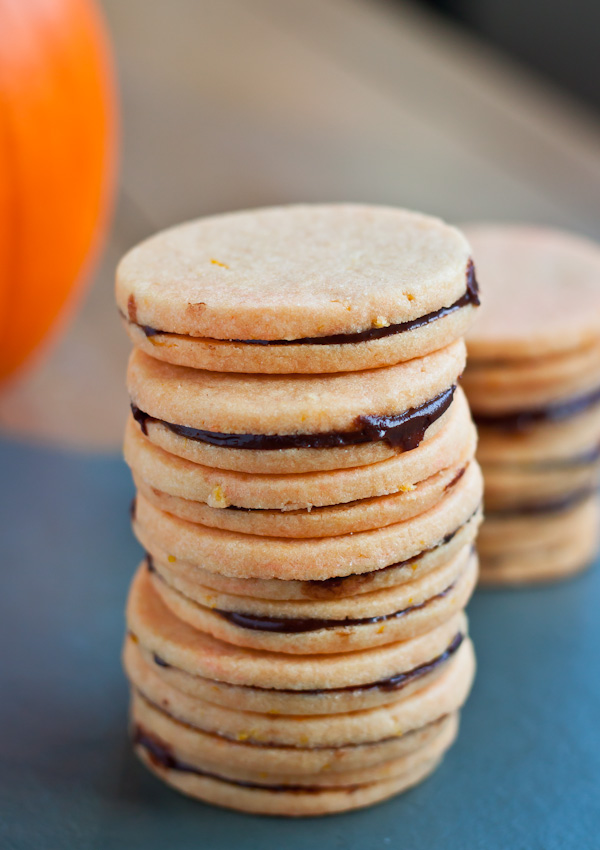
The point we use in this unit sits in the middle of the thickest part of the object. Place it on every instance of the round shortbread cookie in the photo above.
(176, 643)
(570, 555)
(443, 696)
(221, 488)
(437, 597)
(327, 521)
(309, 701)
(300, 761)
(320, 288)
(395, 405)
(541, 292)
(252, 556)
(281, 760)
(521, 531)
(515, 485)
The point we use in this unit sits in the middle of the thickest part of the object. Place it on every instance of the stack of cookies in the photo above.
(534, 386)
(308, 500)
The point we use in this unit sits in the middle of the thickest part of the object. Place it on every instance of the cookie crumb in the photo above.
(217, 498)
(406, 488)
(380, 322)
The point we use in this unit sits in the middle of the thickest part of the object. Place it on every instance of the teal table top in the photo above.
(525, 772)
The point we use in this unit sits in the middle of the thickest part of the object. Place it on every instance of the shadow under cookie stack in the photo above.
(308, 500)
(533, 382)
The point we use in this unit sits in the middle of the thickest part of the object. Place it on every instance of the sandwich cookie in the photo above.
(303, 422)
(171, 756)
(180, 647)
(440, 697)
(218, 488)
(299, 289)
(297, 761)
(548, 561)
(309, 700)
(539, 525)
(304, 628)
(340, 587)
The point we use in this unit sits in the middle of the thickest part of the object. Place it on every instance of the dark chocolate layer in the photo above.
(405, 430)
(471, 297)
(297, 625)
(523, 420)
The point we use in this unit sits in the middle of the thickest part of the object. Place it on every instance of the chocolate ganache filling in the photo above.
(297, 625)
(522, 420)
(404, 430)
(470, 297)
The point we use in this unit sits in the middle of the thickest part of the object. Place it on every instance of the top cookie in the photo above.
(298, 289)
(542, 292)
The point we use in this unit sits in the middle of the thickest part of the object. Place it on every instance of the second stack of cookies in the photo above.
(534, 384)
(308, 501)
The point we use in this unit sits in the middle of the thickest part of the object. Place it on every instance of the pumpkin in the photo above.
(57, 157)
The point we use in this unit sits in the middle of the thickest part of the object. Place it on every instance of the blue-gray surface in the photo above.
(524, 774)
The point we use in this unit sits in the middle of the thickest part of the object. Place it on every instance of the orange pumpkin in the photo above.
(57, 157)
